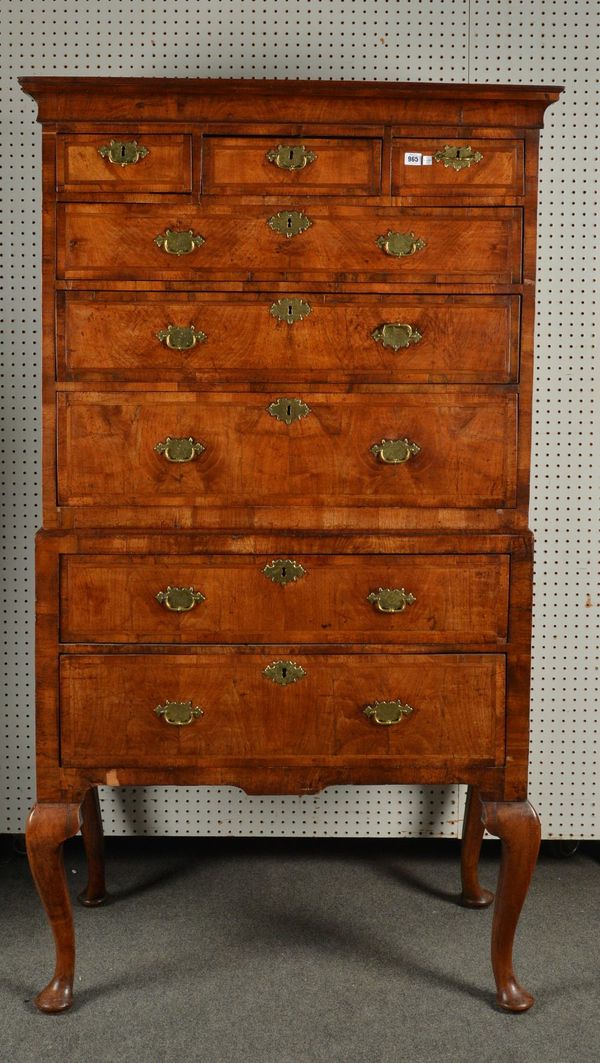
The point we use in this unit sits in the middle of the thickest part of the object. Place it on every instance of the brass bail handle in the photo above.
(400, 245)
(181, 337)
(387, 713)
(179, 241)
(179, 599)
(395, 451)
(178, 713)
(391, 599)
(179, 450)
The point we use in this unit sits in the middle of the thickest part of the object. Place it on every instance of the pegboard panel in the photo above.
(407, 40)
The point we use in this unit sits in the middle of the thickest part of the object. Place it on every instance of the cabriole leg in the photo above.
(48, 827)
(93, 840)
(473, 895)
(517, 825)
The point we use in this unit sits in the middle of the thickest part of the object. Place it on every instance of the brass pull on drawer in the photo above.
(179, 242)
(391, 599)
(179, 450)
(289, 222)
(290, 156)
(387, 713)
(180, 599)
(458, 158)
(396, 334)
(395, 451)
(178, 713)
(123, 152)
(399, 245)
(181, 337)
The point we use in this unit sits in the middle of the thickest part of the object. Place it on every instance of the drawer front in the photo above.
(468, 245)
(125, 162)
(460, 449)
(344, 166)
(314, 599)
(385, 338)
(108, 708)
(489, 168)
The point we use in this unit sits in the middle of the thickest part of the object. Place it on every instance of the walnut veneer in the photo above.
(287, 367)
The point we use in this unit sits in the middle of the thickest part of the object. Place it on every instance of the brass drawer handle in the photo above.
(387, 713)
(458, 158)
(395, 451)
(290, 310)
(180, 599)
(179, 242)
(396, 334)
(123, 152)
(181, 337)
(399, 245)
(391, 599)
(290, 156)
(289, 222)
(284, 672)
(179, 450)
(178, 713)
(288, 410)
(284, 571)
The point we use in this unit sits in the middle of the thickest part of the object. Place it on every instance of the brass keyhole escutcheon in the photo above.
(290, 310)
(458, 158)
(123, 152)
(284, 571)
(284, 672)
(288, 410)
(290, 156)
(289, 223)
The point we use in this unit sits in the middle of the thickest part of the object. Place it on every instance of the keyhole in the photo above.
(291, 159)
(122, 151)
(289, 409)
(283, 571)
(283, 672)
(290, 310)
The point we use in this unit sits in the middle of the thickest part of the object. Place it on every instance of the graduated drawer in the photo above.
(334, 166)
(108, 707)
(243, 454)
(341, 243)
(426, 338)
(291, 598)
(489, 168)
(166, 166)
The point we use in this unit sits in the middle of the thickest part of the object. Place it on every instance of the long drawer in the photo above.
(157, 710)
(428, 245)
(406, 599)
(427, 338)
(410, 449)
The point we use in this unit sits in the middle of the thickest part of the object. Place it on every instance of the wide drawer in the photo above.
(220, 242)
(464, 168)
(290, 598)
(127, 162)
(340, 166)
(424, 338)
(108, 707)
(407, 449)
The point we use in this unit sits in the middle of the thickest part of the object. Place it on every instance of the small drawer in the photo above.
(463, 168)
(302, 449)
(345, 166)
(425, 339)
(127, 162)
(410, 599)
(286, 240)
(144, 710)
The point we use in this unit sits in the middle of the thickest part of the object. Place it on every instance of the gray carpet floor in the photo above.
(256, 951)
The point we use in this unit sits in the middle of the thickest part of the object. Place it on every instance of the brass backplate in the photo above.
(181, 337)
(391, 599)
(387, 713)
(399, 245)
(290, 310)
(288, 410)
(395, 451)
(291, 156)
(178, 713)
(458, 158)
(284, 672)
(180, 599)
(179, 450)
(176, 242)
(123, 152)
(289, 222)
(396, 334)
(284, 571)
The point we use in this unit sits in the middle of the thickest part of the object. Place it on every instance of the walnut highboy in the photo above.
(287, 378)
